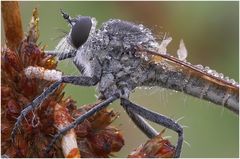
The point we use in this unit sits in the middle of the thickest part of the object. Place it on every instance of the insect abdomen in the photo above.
(196, 85)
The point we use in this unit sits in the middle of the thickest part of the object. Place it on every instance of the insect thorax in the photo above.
(111, 54)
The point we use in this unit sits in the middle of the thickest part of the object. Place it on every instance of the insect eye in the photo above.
(80, 31)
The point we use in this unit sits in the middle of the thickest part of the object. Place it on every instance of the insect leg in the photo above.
(80, 80)
(141, 123)
(61, 55)
(77, 80)
(81, 118)
(157, 118)
(37, 101)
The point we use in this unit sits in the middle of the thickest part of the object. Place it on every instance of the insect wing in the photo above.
(205, 73)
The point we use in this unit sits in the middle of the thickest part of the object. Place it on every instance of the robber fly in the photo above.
(120, 56)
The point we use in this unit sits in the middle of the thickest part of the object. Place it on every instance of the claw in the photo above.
(49, 147)
(18, 122)
(16, 126)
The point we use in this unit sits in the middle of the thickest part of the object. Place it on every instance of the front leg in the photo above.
(77, 80)
(157, 118)
(62, 55)
(80, 80)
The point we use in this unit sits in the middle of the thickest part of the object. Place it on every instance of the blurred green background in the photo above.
(210, 31)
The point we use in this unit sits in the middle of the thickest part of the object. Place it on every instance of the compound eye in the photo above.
(80, 31)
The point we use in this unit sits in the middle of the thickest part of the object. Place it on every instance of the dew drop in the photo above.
(146, 58)
(221, 75)
(209, 71)
(141, 27)
(232, 81)
(207, 68)
(227, 78)
(199, 66)
(214, 73)
(164, 67)
(182, 51)
(108, 57)
(137, 54)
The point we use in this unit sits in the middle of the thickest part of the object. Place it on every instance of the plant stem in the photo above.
(12, 24)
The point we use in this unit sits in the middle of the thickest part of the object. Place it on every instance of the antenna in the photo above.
(66, 16)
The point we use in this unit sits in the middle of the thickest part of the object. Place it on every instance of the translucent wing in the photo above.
(206, 73)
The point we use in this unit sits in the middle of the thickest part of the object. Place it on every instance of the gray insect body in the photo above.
(109, 54)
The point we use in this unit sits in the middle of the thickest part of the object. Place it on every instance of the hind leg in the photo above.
(154, 117)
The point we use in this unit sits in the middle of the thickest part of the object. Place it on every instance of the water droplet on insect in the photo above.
(232, 81)
(126, 45)
(206, 68)
(221, 75)
(199, 66)
(214, 73)
(226, 78)
(209, 71)
(146, 58)
(137, 54)
(108, 57)
(141, 27)
(182, 51)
